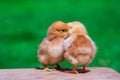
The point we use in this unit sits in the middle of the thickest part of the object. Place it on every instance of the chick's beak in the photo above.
(67, 36)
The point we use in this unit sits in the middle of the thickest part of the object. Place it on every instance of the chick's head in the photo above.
(77, 28)
(58, 29)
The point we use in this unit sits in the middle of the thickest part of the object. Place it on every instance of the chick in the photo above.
(82, 49)
(51, 50)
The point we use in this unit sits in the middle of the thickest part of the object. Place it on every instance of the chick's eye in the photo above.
(63, 30)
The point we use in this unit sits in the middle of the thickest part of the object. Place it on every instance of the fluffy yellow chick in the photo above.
(51, 50)
(82, 49)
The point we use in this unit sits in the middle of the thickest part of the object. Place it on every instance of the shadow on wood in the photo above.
(66, 69)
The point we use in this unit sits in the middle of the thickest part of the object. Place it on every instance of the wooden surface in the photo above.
(34, 74)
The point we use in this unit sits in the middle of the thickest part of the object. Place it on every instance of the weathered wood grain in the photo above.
(34, 74)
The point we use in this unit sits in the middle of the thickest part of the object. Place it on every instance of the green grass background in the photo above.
(24, 23)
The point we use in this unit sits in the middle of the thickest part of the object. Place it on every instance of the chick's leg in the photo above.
(74, 69)
(84, 70)
(47, 69)
(58, 67)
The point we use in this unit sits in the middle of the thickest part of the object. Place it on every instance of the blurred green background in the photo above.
(24, 23)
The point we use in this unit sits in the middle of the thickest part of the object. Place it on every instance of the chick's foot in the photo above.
(84, 71)
(74, 71)
(47, 69)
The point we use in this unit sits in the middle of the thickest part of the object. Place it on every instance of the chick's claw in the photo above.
(75, 72)
(47, 69)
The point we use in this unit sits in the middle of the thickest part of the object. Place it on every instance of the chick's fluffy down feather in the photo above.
(51, 50)
(82, 50)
